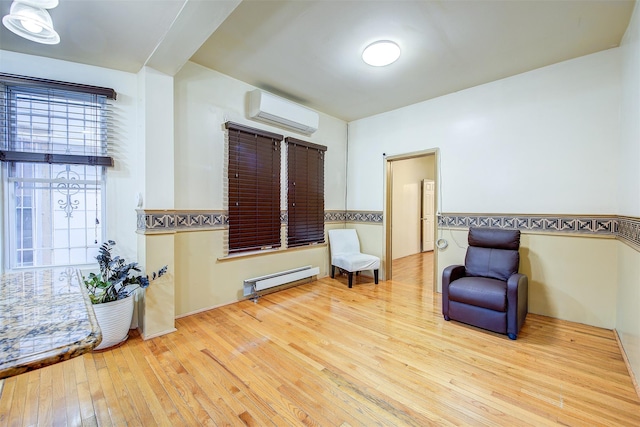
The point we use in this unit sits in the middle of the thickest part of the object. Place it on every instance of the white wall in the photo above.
(543, 142)
(570, 277)
(628, 304)
(629, 158)
(539, 142)
(204, 101)
(155, 161)
(156, 136)
(122, 179)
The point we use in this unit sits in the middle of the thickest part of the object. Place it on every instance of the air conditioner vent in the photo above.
(272, 109)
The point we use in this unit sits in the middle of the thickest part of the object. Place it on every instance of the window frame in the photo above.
(10, 244)
(14, 155)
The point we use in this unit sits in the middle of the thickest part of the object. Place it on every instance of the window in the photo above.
(254, 188)
(53, 152)
(305, 192)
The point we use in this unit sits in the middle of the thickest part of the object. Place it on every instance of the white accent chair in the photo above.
(345, 254)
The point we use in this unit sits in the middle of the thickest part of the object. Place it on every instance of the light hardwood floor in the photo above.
(321, 354)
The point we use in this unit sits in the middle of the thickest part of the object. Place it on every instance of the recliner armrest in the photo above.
(450, 274)
(517, 301)
(515, 284)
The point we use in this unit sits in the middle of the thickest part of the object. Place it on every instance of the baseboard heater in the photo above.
(253, 286)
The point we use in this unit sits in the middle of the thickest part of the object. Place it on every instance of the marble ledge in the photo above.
(45, 318)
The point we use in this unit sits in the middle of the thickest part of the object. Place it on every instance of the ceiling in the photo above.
(309, 51)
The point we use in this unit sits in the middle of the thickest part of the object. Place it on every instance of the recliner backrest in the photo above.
(492, 253)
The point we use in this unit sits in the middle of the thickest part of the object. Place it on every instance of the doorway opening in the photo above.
(410, 215)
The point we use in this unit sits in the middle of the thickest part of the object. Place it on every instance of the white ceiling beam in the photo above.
(193, 25)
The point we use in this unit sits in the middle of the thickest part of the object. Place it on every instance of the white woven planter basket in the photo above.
(114, 319)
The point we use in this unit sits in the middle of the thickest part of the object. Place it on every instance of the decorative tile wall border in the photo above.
(335, 216)
(629, 230)
(368, 217)
(353, 216)
(169, 221)
(539, 223)
(157, 221)
(623, 228)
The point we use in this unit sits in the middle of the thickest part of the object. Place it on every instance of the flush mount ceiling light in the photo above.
(43, 4)
(28, 19)
(381, 53)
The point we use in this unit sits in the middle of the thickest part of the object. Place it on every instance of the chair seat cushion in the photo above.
(481, 292)
(356, 261)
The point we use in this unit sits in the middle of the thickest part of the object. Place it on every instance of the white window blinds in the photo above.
(53, 122)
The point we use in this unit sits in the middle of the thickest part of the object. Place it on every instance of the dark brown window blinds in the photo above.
(254, 188)
(305, 193)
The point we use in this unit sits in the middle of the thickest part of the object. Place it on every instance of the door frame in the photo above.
(388, 207)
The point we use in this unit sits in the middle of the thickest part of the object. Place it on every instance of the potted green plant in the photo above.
(110, 292)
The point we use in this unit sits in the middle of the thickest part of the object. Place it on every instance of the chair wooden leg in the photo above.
(350, 279)
(333, 271)
(375, 276)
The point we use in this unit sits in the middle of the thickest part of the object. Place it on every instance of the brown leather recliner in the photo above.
(488, 292)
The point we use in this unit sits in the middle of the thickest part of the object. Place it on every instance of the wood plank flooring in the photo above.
(321, 354)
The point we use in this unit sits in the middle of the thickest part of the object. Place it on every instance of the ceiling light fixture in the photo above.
(44, 4)
(29, 19)
(381, 53)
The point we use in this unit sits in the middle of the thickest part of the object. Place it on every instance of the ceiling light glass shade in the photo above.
(44, 4)
(32, 23)
(381, 53)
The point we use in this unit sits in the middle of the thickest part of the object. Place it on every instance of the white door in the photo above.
(428, 214)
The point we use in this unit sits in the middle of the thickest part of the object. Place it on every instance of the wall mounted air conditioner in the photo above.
(272, 109)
